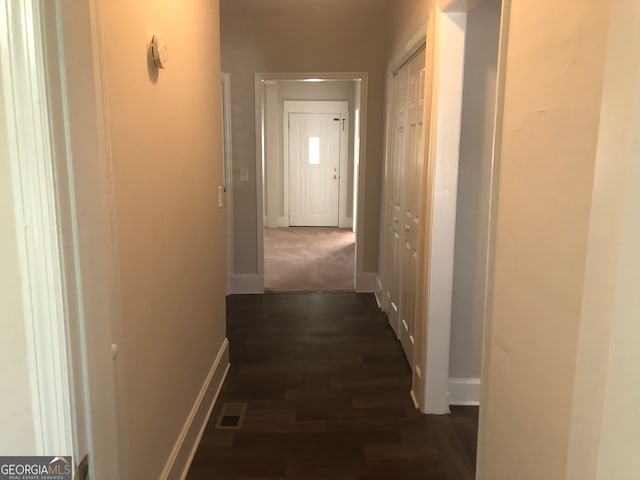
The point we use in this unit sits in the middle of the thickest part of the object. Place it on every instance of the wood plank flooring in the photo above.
(327, 388)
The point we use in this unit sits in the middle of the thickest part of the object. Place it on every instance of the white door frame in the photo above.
(86, 214)
(228, 173)
(324, 106)
(45, 308)
(445, 64)
(260, 79)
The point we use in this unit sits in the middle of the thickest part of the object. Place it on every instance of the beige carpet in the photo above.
(308, 259)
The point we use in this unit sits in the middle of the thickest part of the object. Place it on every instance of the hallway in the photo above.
(327, 392)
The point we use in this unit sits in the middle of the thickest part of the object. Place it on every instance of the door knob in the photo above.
(335, 177)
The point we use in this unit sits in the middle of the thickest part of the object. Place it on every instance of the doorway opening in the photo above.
(309, 167)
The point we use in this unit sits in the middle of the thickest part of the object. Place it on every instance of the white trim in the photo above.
(381, 298)
(259, 140)
(109, 402)
(181, 456)
(260, 80)
(377, 297)
(464, 391)
(442, 167)
(274, 181)
(247, 284)
(413, 399)
(225, 78)
(343, 214)
(323, 106)
(366, 282)
(362, 170)
(385, 243)
(35, 198)
(88, 233)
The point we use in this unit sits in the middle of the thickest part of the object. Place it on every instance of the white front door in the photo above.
(314, 169)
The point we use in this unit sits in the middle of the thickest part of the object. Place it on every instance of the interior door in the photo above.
(403, 200)
(394, 199)
(410, 219)
(314, 169)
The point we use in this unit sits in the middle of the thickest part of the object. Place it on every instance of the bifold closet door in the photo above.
(403, 198)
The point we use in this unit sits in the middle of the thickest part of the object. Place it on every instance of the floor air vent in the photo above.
(231, 416)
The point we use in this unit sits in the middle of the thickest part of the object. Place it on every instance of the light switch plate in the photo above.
(220, 196)
(244, 174)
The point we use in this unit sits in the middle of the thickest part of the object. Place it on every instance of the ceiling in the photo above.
(274, 6)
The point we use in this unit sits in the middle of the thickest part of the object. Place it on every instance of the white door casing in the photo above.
(68, 272)
(260, 79)
(45, 307)
(431, 386)
(227, 173)
(87, 228)
(315, 162)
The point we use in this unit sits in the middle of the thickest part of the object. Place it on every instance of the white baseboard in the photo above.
(245, 284)
(366, 282)
(464, 391)
(380, 298)
(283, 222)
(414, 400)
(181, 456)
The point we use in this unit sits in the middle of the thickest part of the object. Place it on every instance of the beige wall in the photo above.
(404, 19)
(16, 420)
(165, 134)
(551, 74)
(474, 179)
(300, 41)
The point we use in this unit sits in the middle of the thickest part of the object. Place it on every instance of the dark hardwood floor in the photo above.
(327, 388)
